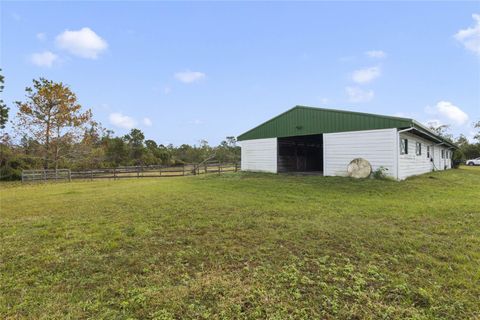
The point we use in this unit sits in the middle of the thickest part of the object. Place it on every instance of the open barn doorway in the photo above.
(300, 154)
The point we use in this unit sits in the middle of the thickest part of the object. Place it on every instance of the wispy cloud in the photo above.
(84, 43)
(195, 121)
(324, 100)
(122, 121)
(147, 122)
(189, 76)
(433, 123)
(356, 94)
(42, 36)
(366, 75)
(43, 59)
(470, 37)
(379, 54)
(449, 112)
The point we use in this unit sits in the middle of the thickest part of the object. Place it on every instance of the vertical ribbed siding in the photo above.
(305, 121)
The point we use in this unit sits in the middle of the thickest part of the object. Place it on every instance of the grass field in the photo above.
(242, 246)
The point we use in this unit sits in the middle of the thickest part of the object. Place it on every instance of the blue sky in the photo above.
(187, 71)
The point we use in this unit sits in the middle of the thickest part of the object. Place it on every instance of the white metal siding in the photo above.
(442, 163)
(376, 146)
(410, 164)
(259, 155)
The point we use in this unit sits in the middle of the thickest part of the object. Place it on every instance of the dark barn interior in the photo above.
(300, 153)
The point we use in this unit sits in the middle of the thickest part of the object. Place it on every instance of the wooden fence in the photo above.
(44, 175)
(129, 172)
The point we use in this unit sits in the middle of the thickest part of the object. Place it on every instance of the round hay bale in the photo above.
(359, 168)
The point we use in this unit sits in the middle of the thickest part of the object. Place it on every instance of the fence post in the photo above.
(91, 174)
(138, 171)
(69, 175)
(219, 168)
(114, 174)
(160, 171)
(183, 169)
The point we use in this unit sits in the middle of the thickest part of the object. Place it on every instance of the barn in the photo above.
(306, 139)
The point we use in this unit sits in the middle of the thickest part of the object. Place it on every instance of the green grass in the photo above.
(242, 246)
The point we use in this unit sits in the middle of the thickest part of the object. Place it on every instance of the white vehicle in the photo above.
(473, 162)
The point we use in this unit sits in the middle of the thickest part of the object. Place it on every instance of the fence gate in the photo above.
(47, 174)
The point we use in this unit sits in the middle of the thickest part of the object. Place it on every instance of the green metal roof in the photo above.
(301, 120)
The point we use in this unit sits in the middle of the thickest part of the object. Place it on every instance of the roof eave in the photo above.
(420, 127)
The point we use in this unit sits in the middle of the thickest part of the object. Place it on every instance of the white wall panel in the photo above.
(412, 164)
(376, 146)
(259, 155)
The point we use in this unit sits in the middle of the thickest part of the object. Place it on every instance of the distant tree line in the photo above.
(51, 130)
(466, 150)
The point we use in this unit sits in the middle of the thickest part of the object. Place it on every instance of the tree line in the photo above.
(52, 130)
(466, 149)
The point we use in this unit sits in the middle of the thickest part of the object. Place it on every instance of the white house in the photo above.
(326, 140)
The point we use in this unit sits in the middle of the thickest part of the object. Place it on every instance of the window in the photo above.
(418, 148)
(443, 154)
(428, 151)
(403, 146)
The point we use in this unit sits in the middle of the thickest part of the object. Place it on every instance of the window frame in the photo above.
(428, 152)
(418, 148)
(403, 146)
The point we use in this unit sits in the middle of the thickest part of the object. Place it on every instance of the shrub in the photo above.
(380, 173)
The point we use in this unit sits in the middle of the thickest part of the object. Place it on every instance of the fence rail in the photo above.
(43, 175)
(129, 172)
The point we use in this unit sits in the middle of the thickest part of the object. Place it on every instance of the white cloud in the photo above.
(403, 115)
(42, 36)
(470, 37)
(366, 75)
(84, 43)
(147, 122)
(196, 121)
(449, 111)
(433, 123)
(324, 100)
(356, 94)
(167, 90)
(189, 76)
(43, 59)
(376, 54)
(122, 121)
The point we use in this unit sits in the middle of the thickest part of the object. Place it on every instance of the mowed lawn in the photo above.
(237, 246)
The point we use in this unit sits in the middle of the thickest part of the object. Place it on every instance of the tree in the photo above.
(228, 151)
(442, 130)
(151, 145)
(3, 107)
(477, 135)
(135, 141)
(116, 151)
(52, 116)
